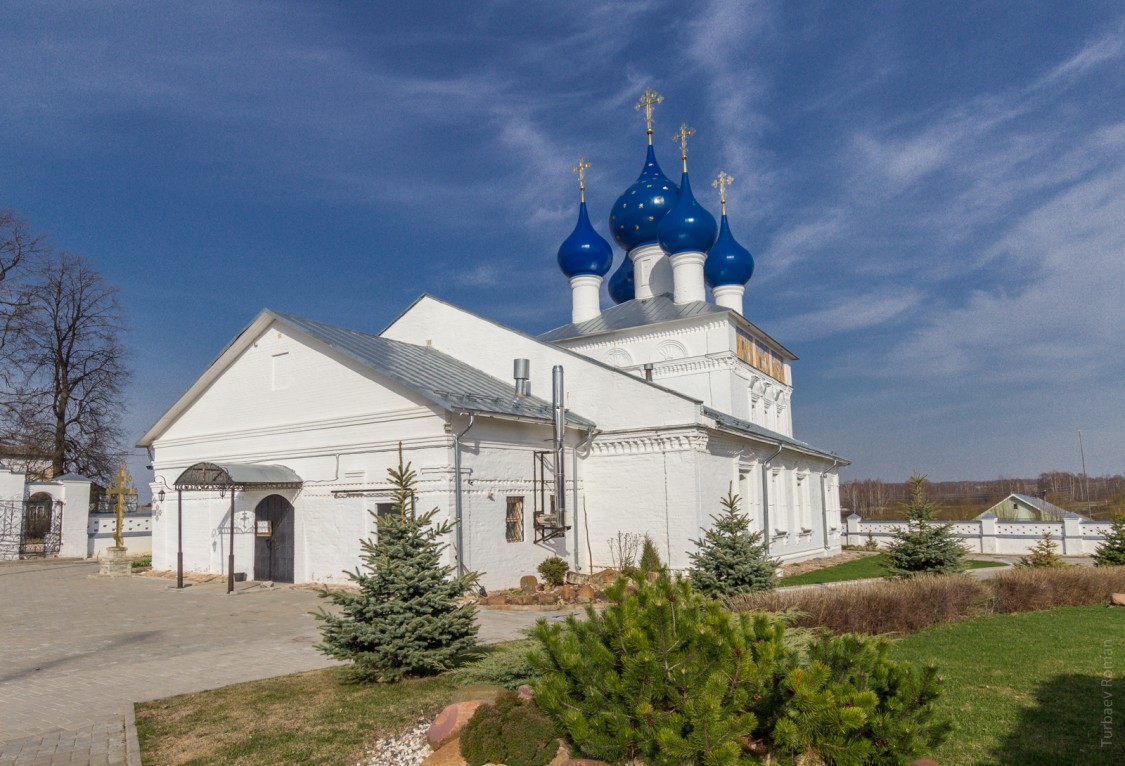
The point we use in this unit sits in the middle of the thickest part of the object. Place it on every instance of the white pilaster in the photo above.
(687, 277)
(729, 296)
(585, 297)
(652, 274)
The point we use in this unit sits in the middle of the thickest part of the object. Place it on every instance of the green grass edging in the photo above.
(861, 569)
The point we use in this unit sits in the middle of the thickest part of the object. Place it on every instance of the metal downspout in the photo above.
(766, 496)
(584, 444)
(457, 513)
(824, 498)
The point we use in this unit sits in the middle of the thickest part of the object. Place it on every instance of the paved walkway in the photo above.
(77, 650)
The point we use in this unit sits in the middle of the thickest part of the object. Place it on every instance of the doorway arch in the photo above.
(273, 539)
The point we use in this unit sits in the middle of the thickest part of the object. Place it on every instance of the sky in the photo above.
(934, 192)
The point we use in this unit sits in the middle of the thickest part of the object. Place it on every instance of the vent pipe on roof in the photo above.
(521, 371)
(559, 413)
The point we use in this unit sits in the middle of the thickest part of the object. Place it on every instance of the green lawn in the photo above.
(861, 569)
(1028, 688)
(1023, 690)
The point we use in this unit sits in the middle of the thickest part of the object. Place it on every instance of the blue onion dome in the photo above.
(585, 251)
(728, 263)
(621, 287)
(636, 215)
(687, 227)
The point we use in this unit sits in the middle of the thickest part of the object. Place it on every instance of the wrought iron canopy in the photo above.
(237, 476)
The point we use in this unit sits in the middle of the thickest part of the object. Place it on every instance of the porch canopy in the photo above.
(221, 477)
(239, 476)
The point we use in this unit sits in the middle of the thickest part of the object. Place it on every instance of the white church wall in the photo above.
(497, 463)
(612, 400)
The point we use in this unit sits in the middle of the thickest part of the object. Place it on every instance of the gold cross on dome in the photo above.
(580, 170)
(648, 100)
(685, 132)
(721, 183)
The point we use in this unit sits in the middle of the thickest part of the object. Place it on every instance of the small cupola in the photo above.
(584, 257)
(686, 234)
(729, 265)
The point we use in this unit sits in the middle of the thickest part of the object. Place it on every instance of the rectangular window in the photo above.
(513, 520)
(384, 509)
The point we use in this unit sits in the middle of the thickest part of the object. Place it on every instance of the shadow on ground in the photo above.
(1068, 724)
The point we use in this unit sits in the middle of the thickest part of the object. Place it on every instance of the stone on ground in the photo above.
(449, 722)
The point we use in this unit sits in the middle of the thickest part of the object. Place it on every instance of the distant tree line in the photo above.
(1099, 497)
(62, 365)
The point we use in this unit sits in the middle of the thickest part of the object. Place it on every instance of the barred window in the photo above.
(513, 526)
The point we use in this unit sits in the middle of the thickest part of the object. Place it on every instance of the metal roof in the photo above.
(634, 313)
(246, 475)
(648, 311)
(737, 424)
(443, 380)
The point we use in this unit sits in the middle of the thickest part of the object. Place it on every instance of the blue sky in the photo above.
(934, 193)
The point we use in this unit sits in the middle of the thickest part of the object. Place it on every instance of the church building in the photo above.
(627, 421)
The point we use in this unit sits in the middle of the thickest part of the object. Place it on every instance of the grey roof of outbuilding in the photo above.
(737, 424)
(648, 311)
(443, 380)
(73, 477)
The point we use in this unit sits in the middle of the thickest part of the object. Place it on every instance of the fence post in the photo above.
(851, 537)
(988, 541)
(1072, 535)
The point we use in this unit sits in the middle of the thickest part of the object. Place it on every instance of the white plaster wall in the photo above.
(697, 357)
(11, 485)
(136, 531)
(609, 398)
(76, 514)
(1073, 536)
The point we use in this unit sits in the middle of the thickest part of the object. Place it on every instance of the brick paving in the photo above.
(77, 650)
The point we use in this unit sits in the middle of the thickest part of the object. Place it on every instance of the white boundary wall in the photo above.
(136, 531)
(1075, 536)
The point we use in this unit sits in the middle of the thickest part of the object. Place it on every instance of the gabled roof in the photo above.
(446, 382)
(744, 426)
(1046, 510)
(650, 311)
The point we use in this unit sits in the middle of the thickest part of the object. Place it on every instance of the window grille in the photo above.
(513, 520)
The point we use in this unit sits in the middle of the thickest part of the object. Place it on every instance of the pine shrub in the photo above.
(510, 731)
(650, 557)
(662, 674)
(924, 546)
(408, 616)
(849, 704)
(1111, 552)
(667, 676)
(1043, 555)
(554, 570)
(730, 558)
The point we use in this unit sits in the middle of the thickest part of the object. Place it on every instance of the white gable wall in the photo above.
(607, 397)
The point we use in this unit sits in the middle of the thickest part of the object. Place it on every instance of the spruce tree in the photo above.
(408, 616)
(1112, 550)
(924, 546)
(730, 558)
(650, 557)
(1044, 555)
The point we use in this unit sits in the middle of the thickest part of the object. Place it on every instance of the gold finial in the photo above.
(580, 169)
(685, 132)
(648, 99)
(721, 183)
